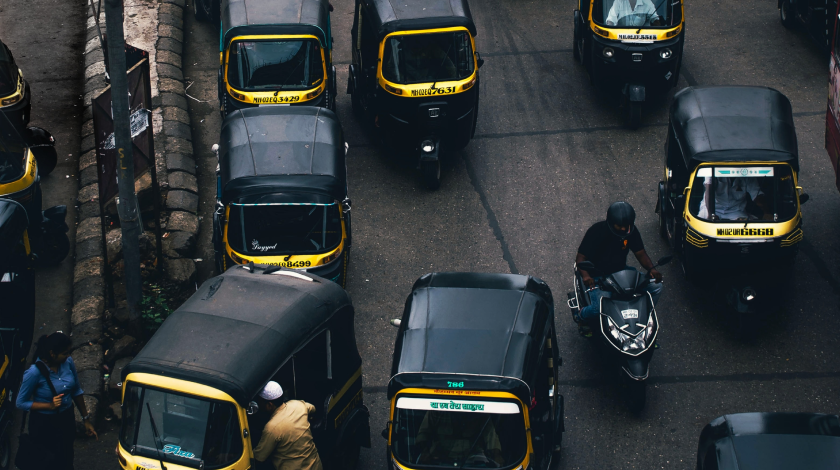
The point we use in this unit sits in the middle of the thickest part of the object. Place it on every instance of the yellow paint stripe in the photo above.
(344, 389)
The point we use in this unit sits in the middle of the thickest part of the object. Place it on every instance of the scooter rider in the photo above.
(606, 245)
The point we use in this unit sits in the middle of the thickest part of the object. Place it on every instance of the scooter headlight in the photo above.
(649, 328)
(665, 53)
(608, 52)
(427, 146)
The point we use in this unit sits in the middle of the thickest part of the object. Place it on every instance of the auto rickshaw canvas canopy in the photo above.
(282, 149)
(734, 124)
(260, 17)
(770, 441)
(488, 327)
(239, 328)
(388, 16)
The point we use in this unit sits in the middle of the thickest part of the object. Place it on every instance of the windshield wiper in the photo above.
(302, 60)
(437, 69)
(647, 18)
(156, 436)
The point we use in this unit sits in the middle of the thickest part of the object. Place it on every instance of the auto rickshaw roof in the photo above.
(388, 16)
(734, 124)
(239, 328)
(259, 17)
(768, 441)
(476, 328)
(282, 149)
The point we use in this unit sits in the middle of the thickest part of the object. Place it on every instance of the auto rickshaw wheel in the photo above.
(201, 10)
(346, 457)
(431, 173)
(356, 103)
(663, 227)
(46, 157)
(786, 14)
(5, 452)
(634, 116)
(53, 250)
(575, 51)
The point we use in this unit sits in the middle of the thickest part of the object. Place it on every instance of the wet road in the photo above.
(549, 156)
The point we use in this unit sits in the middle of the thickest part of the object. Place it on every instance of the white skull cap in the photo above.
(271, 391)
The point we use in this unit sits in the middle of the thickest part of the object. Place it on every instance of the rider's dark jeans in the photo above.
(594, 308)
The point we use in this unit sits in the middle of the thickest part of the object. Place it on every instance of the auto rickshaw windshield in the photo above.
(13, 152)
(637, 13)
(743, 193)
(423, 58)
(181, 429)
(278, 229)
(277, 64)
(439, 432)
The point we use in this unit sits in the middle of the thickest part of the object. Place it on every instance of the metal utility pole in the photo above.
(127, 207)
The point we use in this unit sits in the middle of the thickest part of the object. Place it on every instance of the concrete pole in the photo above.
(127, 206)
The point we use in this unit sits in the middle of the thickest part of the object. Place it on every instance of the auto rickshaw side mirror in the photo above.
(253, 407)
(478, 60)
(215, 149)
(385, 432)
(396, 322)
(803, 198)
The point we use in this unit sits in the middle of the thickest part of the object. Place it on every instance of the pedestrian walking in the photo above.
(286, 442)
(49, 388)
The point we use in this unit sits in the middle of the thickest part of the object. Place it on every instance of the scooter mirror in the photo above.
(665, 260)
(586, 265)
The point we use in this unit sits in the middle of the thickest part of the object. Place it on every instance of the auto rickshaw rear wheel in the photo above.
(786, 14)
(431, 173)
(634, 114)
(663, 227)
(46, 157)
(206, 10)
(53, 250)
(575, 50)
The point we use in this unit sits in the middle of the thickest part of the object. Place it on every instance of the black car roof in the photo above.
(239, 328)
(473, 327)
(734, 123)
(768, 441)
(282, 149)
(263, 17)
(388, 16)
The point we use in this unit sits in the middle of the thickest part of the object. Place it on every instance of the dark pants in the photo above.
(55, 432)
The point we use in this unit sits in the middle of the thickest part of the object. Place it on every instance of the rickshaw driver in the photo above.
(429, 62)
(606, 244)
(286, 442)
(731, 198)
(628, 9)
(440, 438)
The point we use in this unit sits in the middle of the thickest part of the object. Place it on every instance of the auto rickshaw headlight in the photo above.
(12, 100)
(608, 52)
(427, 146)
(665, 53)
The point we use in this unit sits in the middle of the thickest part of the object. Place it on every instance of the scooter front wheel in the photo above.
(634, 116)
(636, 394)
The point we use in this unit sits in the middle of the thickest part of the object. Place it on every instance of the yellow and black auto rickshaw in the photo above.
(474, 378)
(275, 53)
(282, 191)
(415, 75)
(635, 49)
(20, 181)
(15, 104)
(188, 395)
(730, 197)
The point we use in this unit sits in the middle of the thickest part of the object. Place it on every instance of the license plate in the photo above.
(276, 99)
(630, 314)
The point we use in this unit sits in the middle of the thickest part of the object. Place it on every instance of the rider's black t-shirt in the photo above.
(606, 250)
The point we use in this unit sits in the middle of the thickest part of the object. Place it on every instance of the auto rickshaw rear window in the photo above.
(637, 13)
(743, 194)
(471, 434)
(278, 64)
(279, 229)
(181, 429)
(424, 58)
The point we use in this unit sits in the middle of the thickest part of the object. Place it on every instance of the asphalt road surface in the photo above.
(550, 154)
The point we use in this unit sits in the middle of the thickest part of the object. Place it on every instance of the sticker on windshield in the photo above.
(637, 37)
(629, 314)
(432, 404)
(737, 172)
(176, 450)
(444, 90)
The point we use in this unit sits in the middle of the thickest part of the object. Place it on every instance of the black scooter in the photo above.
(628, 324)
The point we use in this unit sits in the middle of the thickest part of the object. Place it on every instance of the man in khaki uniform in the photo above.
(286, 439)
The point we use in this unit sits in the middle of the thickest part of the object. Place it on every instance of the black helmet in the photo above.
(621, 214)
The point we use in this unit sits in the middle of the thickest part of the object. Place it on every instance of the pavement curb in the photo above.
(176, 170)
